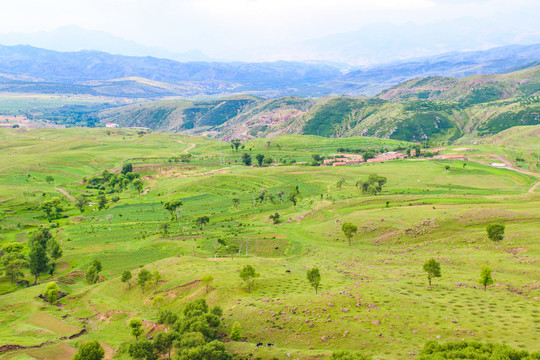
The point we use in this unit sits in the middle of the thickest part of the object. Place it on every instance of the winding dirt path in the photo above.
(531, 190)
(66, 194)
(191, 145)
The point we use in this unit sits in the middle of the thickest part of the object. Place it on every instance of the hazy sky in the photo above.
(216, 25)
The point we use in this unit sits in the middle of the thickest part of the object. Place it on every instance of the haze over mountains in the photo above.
(29, 69)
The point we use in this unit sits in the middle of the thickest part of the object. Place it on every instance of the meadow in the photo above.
(374, 296)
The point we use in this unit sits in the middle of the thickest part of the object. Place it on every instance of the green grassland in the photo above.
(374, 296)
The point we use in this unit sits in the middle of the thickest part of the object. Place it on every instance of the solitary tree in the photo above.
(143, 277)
(236, 202)
(171, 207)
(126, 277)
(236, 331)
(275, 218)
(340, 183)
(201, 221)
(433, 269)
(54, 252)
(49, 179)
(52, 208)
(485, 277)
(246, 159)
(127, 168)
(81, 203)
(233, 250)
(51, 292)
(109, 218)
(90, 350)
(102, 202)
(206, 280)
(314, 278)
(235, 144)
(37, 260)
(260, 158)
(14, 260)
(495, 232)
(93, 271)
(248, 274)
(136, 327)
(349, 230)
(138, 184)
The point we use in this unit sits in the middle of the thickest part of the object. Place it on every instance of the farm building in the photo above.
(112, 125)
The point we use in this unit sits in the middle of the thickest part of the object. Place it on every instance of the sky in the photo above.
(223, 27)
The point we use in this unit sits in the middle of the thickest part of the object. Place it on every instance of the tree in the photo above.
(138, 184)
(54, 252)
(13, 261)
(126, 277)
(143, 277)
(314, 278)
(109, 218)
(372, 185)
(135, 326)
(495, 232)
(246, 159)
(260, 158)
(158, 302)
(37, 260)
(248, 274)
(52, 208)
(280, 194)
(235, 144)
(340, 183)
(433, 269)
(90, 350)
(81, 203)
(156, 278)
(102, 202)
(236, 202)
(49, 179)
(275, 218)
(164, 228)
(127, 168)
(206, 280)
(142, 350)
(233, 250)
(485, 277)
(349, 230)
(163, 343)
(201, 221)
(236, 331)
(268, 160)
(93, 271)
(171, 207)
(51, 292)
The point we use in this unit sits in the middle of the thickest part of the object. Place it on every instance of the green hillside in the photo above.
(435, 108)
(374, 297)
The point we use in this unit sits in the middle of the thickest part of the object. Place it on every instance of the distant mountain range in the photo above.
(33, 70)
(74, 38)
(439, 108)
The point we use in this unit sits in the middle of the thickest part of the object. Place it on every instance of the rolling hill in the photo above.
(437, 108)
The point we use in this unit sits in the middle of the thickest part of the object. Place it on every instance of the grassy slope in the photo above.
(379, 278)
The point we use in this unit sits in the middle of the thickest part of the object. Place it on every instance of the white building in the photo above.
(111, 125)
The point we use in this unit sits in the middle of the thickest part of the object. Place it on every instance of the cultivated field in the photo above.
(374, 296)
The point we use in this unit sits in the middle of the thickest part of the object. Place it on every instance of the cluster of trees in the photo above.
(262, 159)
(196, 335)
(52, 208)
(39, 257)
(473, 350)
(144, 278)
(116, 183)
(372, 185)
(93, 272)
